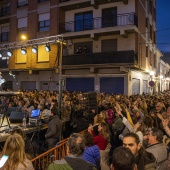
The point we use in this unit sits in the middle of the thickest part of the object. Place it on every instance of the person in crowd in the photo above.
(54, 129)
(138, 128)
(110, 113)
(91, 152)
(103, 138)
(143, 159)
(157, 148)
(79, 50)
(85, 50)
(97, 120)
(20, 107)
(102, 141)
(123, 159)
(73, 160)
(29, 150)
(14, 148)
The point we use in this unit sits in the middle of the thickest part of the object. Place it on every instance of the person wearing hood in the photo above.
(143, 159)
(54, 129)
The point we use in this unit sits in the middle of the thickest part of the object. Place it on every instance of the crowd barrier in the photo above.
(42, 161)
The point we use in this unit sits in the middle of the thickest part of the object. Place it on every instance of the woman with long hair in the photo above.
(15, 148)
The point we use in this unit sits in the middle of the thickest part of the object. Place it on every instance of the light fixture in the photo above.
(34, 49)
(151, 73)
(23, 50)
(0, 54)
(9, 53)
(47, 47)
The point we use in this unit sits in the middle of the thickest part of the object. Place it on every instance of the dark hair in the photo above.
(158, 133)
(132, 135)
(123, 159)
(88, 139)
(54, 110)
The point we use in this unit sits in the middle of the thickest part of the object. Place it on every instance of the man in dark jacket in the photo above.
(143, 159)
(54, 129)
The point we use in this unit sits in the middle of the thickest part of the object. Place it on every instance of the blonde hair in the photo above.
(14, 148)
(105, 131)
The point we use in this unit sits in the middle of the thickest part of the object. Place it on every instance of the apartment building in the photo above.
(110, 44)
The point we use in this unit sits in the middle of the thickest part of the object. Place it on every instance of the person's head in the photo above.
(18, 131)
(54, 111)
(88, 139)
(155, 136)
(131, 141)
(123, 159)
(75, 144)
(148, 121)
(98, 119)
(104, 114)
(159, 106)
(14, 148)
(103, 129)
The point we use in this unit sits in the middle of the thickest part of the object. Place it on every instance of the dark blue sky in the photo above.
(163, 22)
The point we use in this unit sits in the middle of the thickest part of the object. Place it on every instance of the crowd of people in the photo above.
(124, 132)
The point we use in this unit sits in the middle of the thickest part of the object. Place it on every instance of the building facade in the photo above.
(111, 45)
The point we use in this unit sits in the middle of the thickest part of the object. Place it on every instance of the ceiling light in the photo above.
(47, 47)
(9, 53)
(34, 49)
(23, 50)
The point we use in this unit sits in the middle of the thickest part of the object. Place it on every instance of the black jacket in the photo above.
(145, 160)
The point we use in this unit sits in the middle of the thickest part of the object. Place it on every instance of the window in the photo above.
(44, 22)
(109, 45)
(22, 3)
(84, 21)
(4, 10)
(109, 17)
(42, 1)
(4, 34)
(22, 22)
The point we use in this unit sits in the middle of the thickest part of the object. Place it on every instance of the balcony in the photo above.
(72, 4)
(116, 57)
(100, 25)
(4, 11)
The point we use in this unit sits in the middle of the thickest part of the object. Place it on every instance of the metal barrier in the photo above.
(42, 161)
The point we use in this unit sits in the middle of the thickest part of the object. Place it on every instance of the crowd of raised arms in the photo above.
(124, 132)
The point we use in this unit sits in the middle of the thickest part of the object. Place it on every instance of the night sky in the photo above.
(163, 23)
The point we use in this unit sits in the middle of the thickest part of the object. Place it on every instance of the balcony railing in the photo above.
(101, 58)
(4, 11)
(96, 23)
(42, 161)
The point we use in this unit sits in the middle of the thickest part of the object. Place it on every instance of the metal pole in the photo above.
(60, 78)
